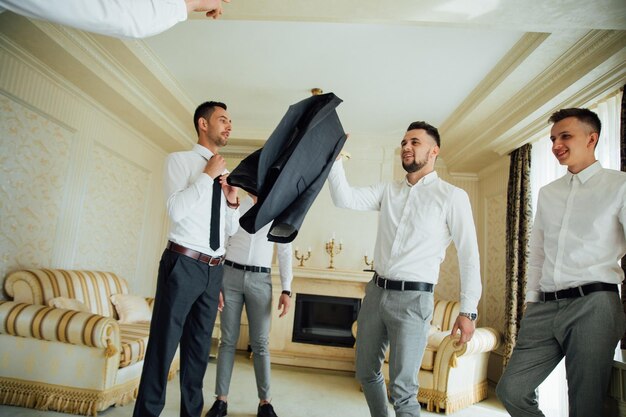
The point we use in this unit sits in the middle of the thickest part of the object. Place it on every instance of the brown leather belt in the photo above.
(391, 284)
(194, 254)
(577, 291)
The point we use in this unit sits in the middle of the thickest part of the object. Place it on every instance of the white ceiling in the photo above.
(487, 72)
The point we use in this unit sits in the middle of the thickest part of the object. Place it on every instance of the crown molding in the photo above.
(518, 53)
(609, 82)
(595, 47)
(502, 163)
(169, 133)
(154, 65)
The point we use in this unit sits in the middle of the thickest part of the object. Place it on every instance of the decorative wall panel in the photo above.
(113, 212)
(34, 159)
(494, 295)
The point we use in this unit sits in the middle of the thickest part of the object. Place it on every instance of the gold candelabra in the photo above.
(303, 257)
(370, 264)
(333, 250)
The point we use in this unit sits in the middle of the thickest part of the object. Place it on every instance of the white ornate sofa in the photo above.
(452, 376)
(66, 360)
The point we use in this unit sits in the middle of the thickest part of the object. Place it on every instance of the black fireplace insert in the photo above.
(325, 320)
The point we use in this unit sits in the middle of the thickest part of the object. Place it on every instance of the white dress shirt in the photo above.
(189, 193)
(122, 18)
(416, 225)
(255, 250)
(579, 234)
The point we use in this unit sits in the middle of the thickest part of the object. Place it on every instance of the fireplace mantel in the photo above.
(329, 282)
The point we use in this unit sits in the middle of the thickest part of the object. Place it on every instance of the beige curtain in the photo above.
(518, 224)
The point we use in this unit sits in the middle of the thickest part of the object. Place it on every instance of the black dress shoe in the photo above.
(266, 410)
(219, 409)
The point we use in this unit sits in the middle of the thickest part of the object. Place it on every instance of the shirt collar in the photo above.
(425, 180)
(585, 174)
(204, 152)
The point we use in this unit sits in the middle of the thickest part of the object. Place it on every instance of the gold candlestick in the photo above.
(370, 264)
(303, 257)
(333, 250)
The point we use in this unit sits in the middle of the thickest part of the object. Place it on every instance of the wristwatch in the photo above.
(288, 293)
(471, 316)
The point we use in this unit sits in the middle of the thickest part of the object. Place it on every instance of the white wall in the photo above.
(79, 189)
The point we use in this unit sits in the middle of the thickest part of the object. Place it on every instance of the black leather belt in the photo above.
(577, 291)
(391, 284)
(202, 257)
(247, 267)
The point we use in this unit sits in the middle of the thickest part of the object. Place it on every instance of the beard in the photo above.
(415, 165)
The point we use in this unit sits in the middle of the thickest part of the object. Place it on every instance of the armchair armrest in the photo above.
(60, 325)
(485, 339)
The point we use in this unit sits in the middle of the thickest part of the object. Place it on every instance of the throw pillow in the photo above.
(68, 304)
(131, 308)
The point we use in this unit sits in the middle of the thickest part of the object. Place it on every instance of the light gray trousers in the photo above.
(254, 289)
(585, 330)
(400, 320)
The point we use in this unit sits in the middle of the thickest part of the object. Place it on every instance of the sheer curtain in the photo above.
(545, 169)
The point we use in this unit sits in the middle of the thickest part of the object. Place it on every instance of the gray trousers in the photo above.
(585, 330)
(254, 289)
(399, 320)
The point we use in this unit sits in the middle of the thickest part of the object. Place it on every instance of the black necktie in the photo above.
(216, 203)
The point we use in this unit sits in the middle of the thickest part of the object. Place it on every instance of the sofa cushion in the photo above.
(131, 308)
(68, 304)
(134, 337)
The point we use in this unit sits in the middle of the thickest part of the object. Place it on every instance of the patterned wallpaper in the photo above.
(34, 159)
(449, 286)
(494, 294)
(112, 215)
(76, 185)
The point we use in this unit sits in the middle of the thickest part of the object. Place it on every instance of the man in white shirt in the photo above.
(120, 18)
(573, 307)
(419, 216)
(248, 280)
(202, 209)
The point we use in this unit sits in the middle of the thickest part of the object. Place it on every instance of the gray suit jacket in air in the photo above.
(288, 172)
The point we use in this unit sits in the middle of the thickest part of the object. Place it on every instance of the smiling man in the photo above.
(419, 216)
(573, 306)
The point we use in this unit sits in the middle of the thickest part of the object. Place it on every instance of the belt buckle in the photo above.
(580, 290)
(402, 285)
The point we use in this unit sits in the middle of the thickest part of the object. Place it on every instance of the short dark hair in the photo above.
(205, 110)
(585, 116)
(430, 129)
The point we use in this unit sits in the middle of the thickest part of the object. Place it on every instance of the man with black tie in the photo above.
(202, 208)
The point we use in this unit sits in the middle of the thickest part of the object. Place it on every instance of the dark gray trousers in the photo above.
(184, 312)
(585, 330)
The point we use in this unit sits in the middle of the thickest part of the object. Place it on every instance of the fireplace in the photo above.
(325, 320)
